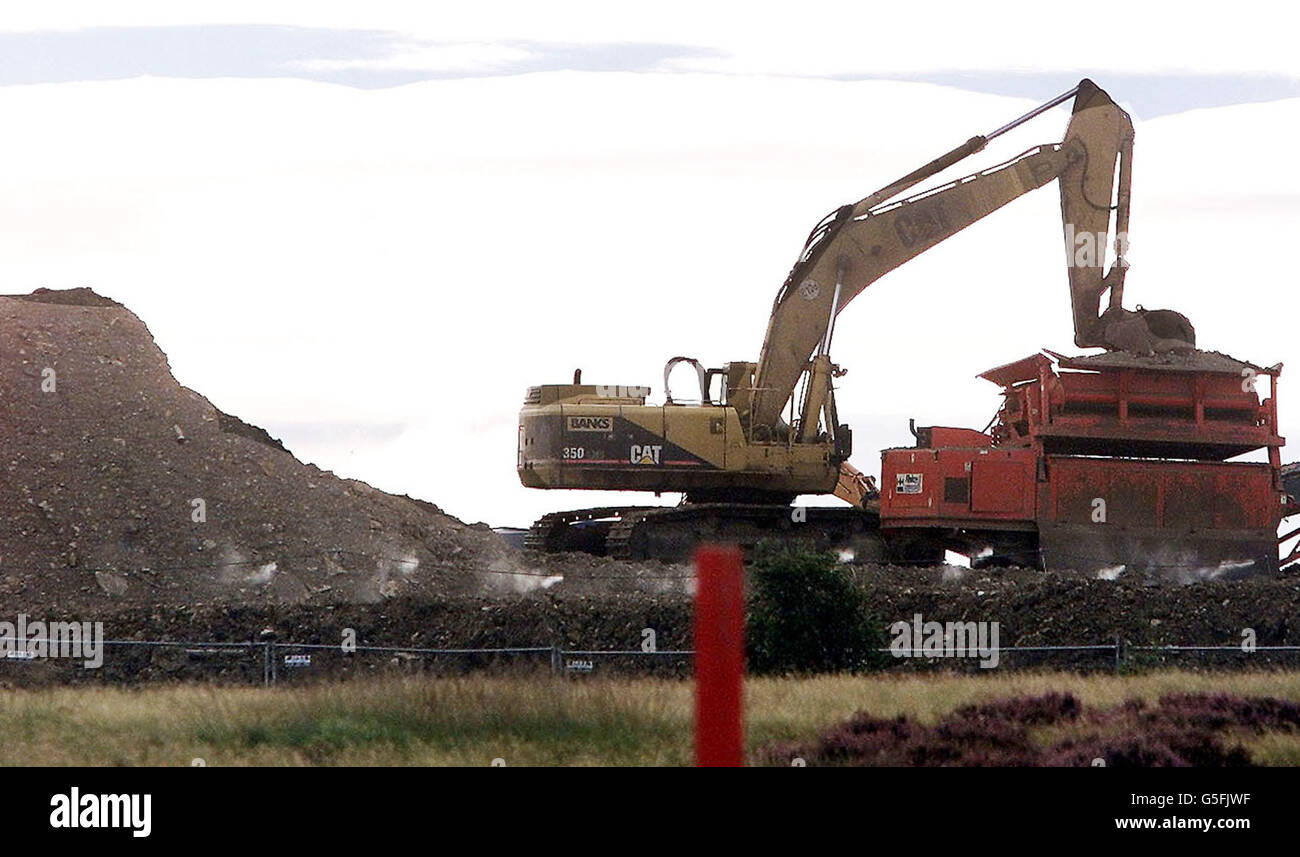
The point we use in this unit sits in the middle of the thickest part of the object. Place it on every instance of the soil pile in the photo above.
(1034, 608)
(121, 486)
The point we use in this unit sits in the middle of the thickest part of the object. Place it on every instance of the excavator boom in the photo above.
(860, 243)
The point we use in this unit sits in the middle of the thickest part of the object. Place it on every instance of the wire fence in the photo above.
(270, 661)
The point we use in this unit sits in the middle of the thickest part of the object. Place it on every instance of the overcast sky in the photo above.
(369, 228)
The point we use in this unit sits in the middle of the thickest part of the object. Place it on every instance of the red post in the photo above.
(719, 657)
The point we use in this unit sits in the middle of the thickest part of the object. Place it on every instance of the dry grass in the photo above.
(525, 721)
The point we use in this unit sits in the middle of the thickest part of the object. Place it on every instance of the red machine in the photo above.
(1098, 462)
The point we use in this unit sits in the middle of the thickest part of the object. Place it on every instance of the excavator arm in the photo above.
(858, 244)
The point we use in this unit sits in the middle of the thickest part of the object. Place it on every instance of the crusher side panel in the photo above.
(1184, 519)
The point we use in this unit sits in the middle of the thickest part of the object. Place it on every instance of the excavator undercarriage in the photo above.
(671, 533)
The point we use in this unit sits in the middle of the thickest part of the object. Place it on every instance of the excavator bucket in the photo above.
(1098, 144)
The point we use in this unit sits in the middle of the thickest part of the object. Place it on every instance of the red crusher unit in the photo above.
(1104, 463)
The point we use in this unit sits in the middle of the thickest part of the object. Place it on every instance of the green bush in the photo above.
(807, 615)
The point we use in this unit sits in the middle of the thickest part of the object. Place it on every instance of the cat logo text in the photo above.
(647, 454)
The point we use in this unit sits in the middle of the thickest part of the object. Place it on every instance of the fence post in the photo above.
(719, 657)
(557, 660)
(1119, 651)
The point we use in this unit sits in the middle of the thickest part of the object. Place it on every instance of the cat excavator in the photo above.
(758, 434)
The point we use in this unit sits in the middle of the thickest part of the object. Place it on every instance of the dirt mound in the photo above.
(1034, 608)
(121, 486)
(397, 625)
(1055, 730)
(1194, 360)
(68, 297)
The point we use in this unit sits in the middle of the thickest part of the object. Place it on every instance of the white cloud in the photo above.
(816, 37)
(465, 57)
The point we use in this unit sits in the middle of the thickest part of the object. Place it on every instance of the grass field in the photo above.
(524, 721)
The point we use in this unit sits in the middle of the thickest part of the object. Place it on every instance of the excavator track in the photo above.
(672, 533)
(576, 530)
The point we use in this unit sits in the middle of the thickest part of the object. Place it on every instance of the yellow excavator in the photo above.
(755, 435)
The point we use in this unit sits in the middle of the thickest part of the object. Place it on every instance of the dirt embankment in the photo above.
(1031, 608)
(1038, 609)
(121, 487)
